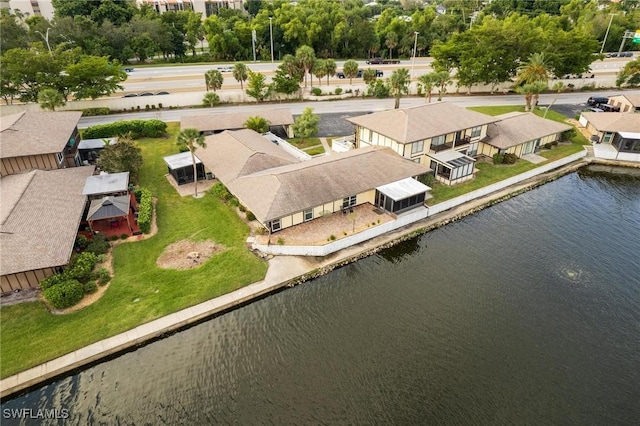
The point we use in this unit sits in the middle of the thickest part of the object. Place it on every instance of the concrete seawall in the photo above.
(283, 271)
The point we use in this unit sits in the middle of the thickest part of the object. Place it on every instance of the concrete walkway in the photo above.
(327, 148)
(283, 271)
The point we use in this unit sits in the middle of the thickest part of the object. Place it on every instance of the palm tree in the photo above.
(532, 75)
(213, 80)
(350, 69)
(428, 83)
(330, 67)
(441, 79)
(240, 73)
(319, 70)
(391, 42)
(50, 99)
(399, 83)
(191, 138)
(257, 124)
(306, 58)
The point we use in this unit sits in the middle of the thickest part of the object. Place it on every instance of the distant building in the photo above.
(206, 7)
(42, 8)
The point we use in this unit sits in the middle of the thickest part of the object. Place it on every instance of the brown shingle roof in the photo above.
(34, 133)
(281, 191)
(632, 98)
(614, 121)
(422, 122)
(40, 230)
(515, 129)
(235, 120)
(236, 153)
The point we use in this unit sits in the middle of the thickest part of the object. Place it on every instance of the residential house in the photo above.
(520, 133)
(616, 133)
(283, 191)
(627, 102)
(39, 218)
(441, 136)
(89, 149)
(39, 140)
(280, 120)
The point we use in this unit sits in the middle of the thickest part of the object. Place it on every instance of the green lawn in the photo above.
(489, 173)
(304, 143)
(140, 291)
(315, 150)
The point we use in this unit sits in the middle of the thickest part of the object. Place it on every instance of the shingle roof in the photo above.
(614, 121)
(284, 190)
(422, 122)
(34, 133)
(235, 120)
(517, 128)
(40, 230)
(109, 207)
(236, 153)
(632, 98)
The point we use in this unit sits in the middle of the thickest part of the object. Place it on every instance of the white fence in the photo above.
(411, 216)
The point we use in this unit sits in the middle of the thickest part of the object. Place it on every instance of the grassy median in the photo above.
(140, 290)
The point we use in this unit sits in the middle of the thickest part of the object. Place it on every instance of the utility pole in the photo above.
(415, 45)
(271, 34)
(607, 33)
(253, 43)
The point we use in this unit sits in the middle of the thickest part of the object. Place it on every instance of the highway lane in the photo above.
(577, 99)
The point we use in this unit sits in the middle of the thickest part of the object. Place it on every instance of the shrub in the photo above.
(91, 112)
(348, 91)
(81, 266)
(250, 215)
(51, 281)
(510, 158)
(261, 231)
(124, 236)
(338, 91)
(554, 143)
(145, 211)
(280, 241)
(82, 242)
(316, 91)
(220, 191)
(242, 208)
(98, 245)
(332, 237)
(159, 105)
(66, 293)
(233, 202)
(146, 107)
(103, 276)
(568, 134)
(427, 179)
(548, 145)
(113, 237)
(90, 287)
(498, 158)
(136, 128)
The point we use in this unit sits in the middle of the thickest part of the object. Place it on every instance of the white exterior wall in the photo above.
(45, 6)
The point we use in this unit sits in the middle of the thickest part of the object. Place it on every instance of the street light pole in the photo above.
(271, 34)
(46, 40)
(415, 45)
(606, 34)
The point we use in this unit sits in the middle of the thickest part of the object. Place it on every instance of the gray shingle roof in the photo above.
(34, 133)
(235, 120)
(614, 121)
(517, 128)
(422, 122)
(41, 227)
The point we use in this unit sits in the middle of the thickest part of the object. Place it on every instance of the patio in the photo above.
(189, 188)
(340, 225)
(118, 226)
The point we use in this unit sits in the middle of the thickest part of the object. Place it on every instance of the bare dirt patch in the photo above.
(187, 254)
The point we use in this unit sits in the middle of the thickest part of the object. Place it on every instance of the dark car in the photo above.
(128, 69)
(597, 100)
(340, 74)
(162, 93)
(146, 94)
(130, 95)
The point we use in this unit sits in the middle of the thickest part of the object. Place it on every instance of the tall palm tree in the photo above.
(319, 70)
(213, 80)
(428, 83)
(350, 69)
(330, 67)
(399, 83)
(531, 76)
(240, 73)
(191, 139)
(441, 79)
(391, 41)
(306, 58)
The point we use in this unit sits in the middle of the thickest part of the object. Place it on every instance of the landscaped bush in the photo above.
(548, 145)
(510, 158)
(426, 179)
(90, 287)
(98, 245)
(82, 242)
(338, 91)
(49, 282)
(135, 128)
(124, 236)
(113, 237)
(242, 208)
(568, 134)
(66, 293)
(316, 91)
(103, 276)
(280, 241)
(250, 215)
(233, 202)
(90, 112)
(145, 211)
(554, 143)
(81, 266)
(498, 158)
(220, 191)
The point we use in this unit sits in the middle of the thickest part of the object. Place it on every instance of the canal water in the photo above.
(527, 312)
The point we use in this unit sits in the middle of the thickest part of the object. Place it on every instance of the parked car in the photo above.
(130, 95)
(162, 93)
(597, 100)
(128, 69)
(380, 61)
(146, 94)
(225, 68)
(340, 74)
(594, 110)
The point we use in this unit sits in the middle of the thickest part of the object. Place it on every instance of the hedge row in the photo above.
(91, 112)
(135, 128)
(145, 211)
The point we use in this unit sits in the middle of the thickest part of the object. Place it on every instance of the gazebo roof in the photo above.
(108, 207)
(106, 183)
(178, 161)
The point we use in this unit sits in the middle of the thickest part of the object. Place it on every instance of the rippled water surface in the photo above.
(525, 313)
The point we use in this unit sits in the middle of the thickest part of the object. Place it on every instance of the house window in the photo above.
(275, 225)
(476, 131)
(60, 157)
(607, 137)
(308, 215)
(416, 160)
(417, 147)
(472, 151)
(438, 140)
(349, 202)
